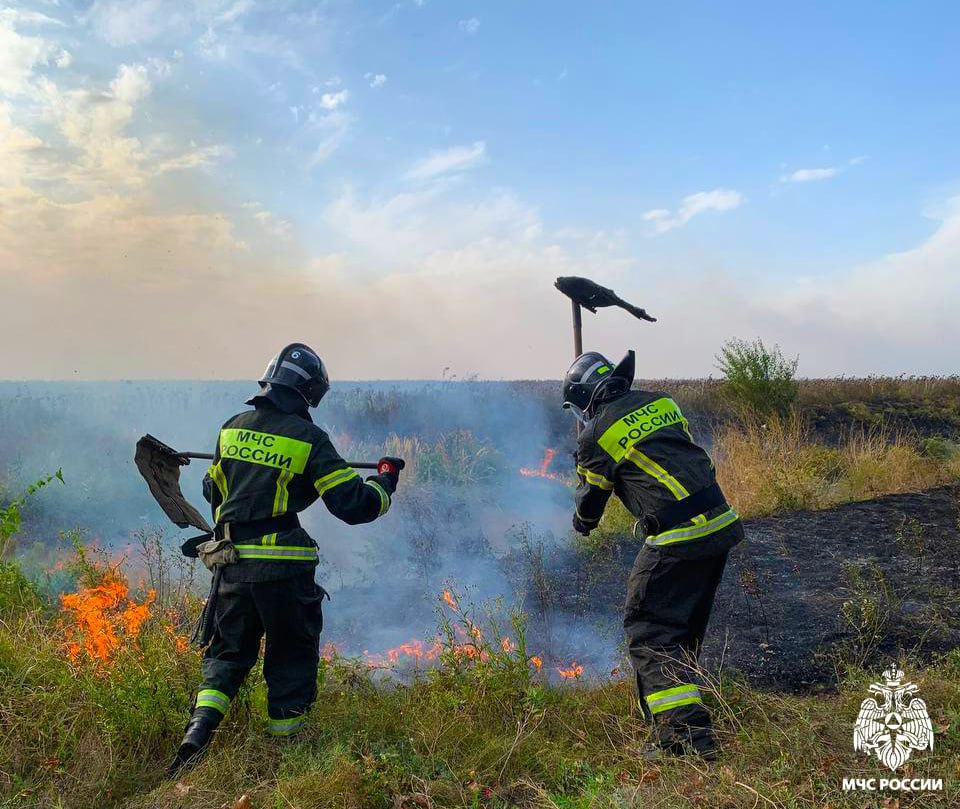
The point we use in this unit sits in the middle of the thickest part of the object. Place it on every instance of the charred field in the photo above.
(473, 647)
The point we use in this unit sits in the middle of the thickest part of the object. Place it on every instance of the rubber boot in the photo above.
(196, 739)
(683, 740)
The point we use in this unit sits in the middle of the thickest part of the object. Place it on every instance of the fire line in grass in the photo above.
(100, 619)
(467, 644)
(542, 471)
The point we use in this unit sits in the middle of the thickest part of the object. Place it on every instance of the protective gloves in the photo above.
(581, 527)
(388, 472)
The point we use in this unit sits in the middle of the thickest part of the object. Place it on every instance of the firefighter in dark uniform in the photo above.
(271, 462)
(637, 445)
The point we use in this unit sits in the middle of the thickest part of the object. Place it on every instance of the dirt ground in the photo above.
(862, 581)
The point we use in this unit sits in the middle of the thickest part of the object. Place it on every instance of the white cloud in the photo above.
(277, 227)
(809, 175)
(331, 101)
(130, 22)
(14, 16)
(376, 79)
(20, 56)
(328, 133)
(131, 84)
(92, 145)
(470, 26)
(720, 199)
(454, 160)
(233, 12)
(405, 229)
(23, 156)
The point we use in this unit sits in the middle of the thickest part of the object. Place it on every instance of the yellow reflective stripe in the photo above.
(707, 527)
(286, 727)
(384, 497)
(652, 468)
(282, 495)
(633, 427)
(265, 449)
(220, 479)
(330, 481)
(282, 553)
(211, 698)
(269, 539)
(595, 479)
(686, 694)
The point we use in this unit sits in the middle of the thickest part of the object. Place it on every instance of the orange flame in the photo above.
(574, 672)
(329, 651)
(451, 602)
(542, 471)
(100, 619)
(180, 643)
(537, 662)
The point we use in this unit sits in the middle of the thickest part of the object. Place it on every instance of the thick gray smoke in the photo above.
(472, 521)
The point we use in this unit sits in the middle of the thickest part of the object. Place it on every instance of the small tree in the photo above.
(756, 378)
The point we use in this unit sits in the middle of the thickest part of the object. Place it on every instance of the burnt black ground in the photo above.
(780, 617)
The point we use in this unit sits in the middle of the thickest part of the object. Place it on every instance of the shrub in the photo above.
(756, 378)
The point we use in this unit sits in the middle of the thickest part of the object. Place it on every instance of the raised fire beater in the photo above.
(271, 462)
(637, 444)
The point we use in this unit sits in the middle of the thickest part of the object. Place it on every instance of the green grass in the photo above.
(467, 734)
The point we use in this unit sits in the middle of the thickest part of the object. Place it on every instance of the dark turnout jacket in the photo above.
(269, 464)
(638, 446)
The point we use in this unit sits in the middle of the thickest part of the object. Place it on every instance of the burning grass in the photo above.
(97, 620)
(472, 731)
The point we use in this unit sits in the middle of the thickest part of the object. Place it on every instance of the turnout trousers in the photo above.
(288, 612)
(669, 600)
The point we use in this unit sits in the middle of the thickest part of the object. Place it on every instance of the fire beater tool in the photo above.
(589, 295)
(586, 294)
(159, 465)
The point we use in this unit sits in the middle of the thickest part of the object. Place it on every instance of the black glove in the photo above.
(581, 527)
(208, 488)
(392, 465)
(388, 472)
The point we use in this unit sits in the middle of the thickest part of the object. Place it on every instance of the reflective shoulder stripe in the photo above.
(661, 475)
(285, 727)
(220, 479)
(384, 497)
(280, 553)
(334, 479)
(686, 694)
(211, 698)
(707, 527)
(626, 431)
(595, 479)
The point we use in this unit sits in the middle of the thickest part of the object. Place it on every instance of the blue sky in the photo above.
(398, 183)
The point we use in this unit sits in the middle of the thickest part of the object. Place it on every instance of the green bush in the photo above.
(757, 379)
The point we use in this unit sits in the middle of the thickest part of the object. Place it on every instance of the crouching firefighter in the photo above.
(270, 463)
(637, 445)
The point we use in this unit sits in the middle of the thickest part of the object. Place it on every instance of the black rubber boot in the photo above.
(196, 738)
